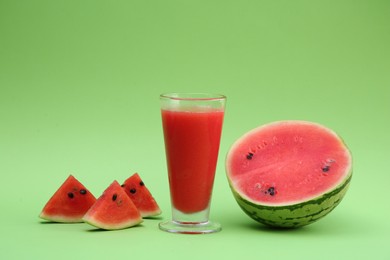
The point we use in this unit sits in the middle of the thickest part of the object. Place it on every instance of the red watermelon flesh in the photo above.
(287, 162)
(113, 210)
(136, 190)
(69, 203)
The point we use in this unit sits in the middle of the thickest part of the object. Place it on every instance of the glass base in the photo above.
(190, 227)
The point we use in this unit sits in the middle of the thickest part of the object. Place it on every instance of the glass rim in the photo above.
(196, 96)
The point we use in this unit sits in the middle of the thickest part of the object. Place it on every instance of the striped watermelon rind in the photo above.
(295, 215)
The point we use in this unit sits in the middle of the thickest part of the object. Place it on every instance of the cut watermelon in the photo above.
(136, 190)
(69, 203)
(113, 210)
(289, 173)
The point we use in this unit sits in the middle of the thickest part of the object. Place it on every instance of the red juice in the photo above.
(192, 143)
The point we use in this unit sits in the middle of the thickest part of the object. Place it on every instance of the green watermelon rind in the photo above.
(103, 225)
(61, 218)
(294, 215)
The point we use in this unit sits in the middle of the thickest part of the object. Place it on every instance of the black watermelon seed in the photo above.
(132, 191)
(83, 192)
(249, 156)
(326, 168)
(123, 185)
(271, 191)
(114, 197)
(141, 183)
(70, 195)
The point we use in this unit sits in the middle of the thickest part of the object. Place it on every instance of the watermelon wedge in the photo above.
(137, 191)
(113, 210)
(289, 173)
(69, 203)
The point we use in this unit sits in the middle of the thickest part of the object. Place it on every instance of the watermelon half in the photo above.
(289, 173)
(113, 210)
(141, 196)
(69, 203)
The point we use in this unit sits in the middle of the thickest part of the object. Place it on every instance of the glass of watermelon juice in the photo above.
(192, 125)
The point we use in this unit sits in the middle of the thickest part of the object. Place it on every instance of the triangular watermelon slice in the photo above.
(69, 203)
(135, 188)
(113, 210)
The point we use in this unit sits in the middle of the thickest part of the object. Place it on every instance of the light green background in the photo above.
(79, 86)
